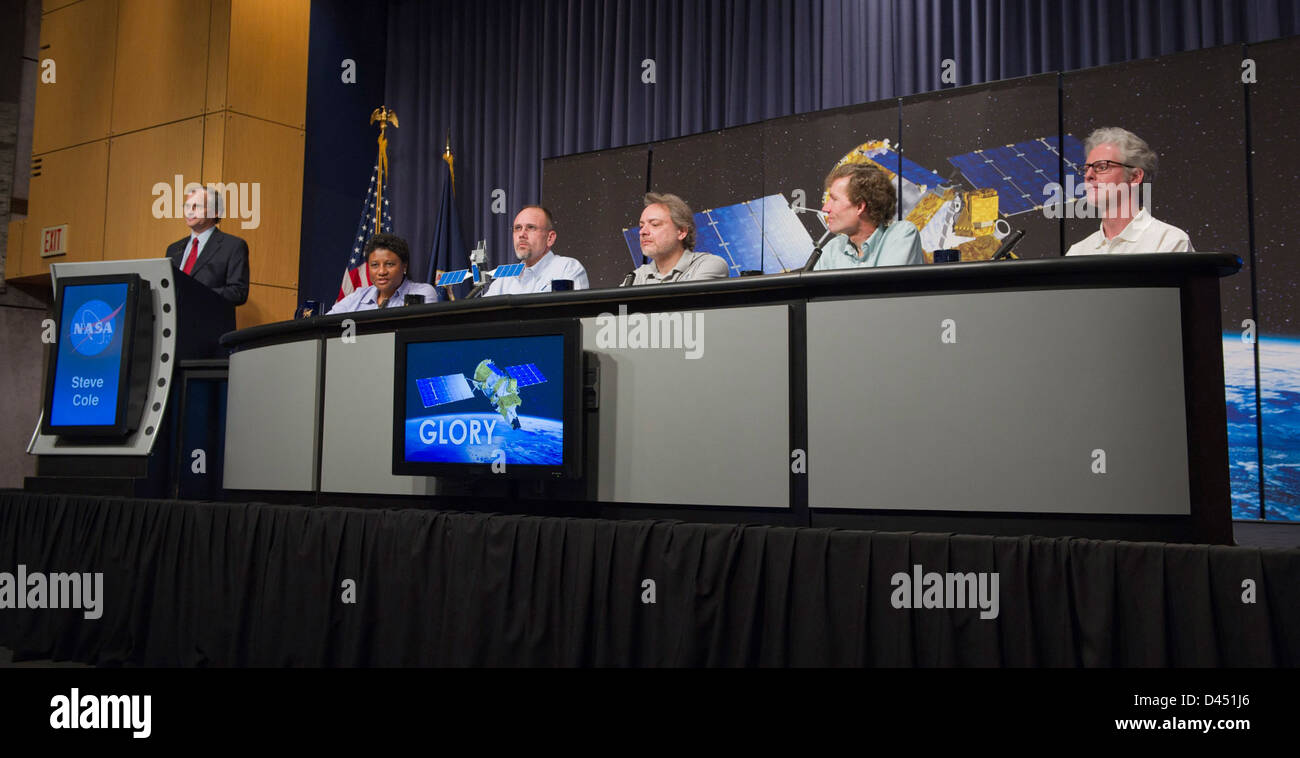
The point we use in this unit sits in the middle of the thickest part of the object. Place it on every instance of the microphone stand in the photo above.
(817, 252)
(1004, 252)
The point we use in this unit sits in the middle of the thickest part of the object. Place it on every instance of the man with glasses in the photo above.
(1119, 164)
(533, 234)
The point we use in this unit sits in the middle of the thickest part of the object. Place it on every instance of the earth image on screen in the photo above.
(537, 441)
(1279, 399)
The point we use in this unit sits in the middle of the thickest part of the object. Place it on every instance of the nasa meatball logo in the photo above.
(92, 327)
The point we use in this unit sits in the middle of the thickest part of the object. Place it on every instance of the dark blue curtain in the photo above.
(516, 81)
(340, 148)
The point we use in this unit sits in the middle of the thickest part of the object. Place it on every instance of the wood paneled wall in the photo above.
(81, 41)
(68, 187)
(214, 91)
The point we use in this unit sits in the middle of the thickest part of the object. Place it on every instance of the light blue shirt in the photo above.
(898, 244)
(367, 298)
(538, 277)
(203, 236)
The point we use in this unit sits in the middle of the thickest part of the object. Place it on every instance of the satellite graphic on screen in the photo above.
(501, 388)
(503, 403)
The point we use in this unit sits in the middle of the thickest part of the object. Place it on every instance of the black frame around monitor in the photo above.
(135, 340)
(569, 329)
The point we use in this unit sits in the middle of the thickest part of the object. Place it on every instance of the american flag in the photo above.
(357, 274)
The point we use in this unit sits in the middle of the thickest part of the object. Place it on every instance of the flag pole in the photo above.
(451, 161)
(384, 116)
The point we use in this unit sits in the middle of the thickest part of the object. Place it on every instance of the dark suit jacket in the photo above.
(222, 265)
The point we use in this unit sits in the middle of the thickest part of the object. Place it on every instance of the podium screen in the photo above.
(87, 383)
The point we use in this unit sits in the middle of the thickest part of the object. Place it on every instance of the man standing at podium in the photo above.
(217, 260)
(1119, 163)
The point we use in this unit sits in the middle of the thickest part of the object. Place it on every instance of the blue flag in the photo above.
(449, 250)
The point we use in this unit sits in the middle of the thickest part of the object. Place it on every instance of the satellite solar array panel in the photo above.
(732, 232)
(452, 277)
(1021, 172)
(995, 169)
(505, 272)
(526, 374)
(440, 390)
(1074, 156)
(633, 239)
(760, 234)
(788, 243)
(911, 170)
(918, 174)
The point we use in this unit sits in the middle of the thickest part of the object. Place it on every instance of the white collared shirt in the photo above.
(1144, 234)
(203, 236)
(538, 277)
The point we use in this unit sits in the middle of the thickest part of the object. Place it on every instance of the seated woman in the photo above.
(387, 257)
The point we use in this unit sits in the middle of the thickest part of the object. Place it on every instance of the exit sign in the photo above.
(54, 241)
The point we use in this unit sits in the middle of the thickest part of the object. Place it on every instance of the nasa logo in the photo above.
(92, 327)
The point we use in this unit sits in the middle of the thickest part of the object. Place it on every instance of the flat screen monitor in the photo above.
(98, 366)
(489, 400)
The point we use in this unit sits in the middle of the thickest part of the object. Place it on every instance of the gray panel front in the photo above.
(1058, 401)
(271, 417)
(357, 447)
(708, 430)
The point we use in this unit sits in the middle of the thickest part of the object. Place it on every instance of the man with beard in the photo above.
(667, 234)
(533, 235)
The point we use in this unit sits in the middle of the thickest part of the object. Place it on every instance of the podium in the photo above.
(188, 320)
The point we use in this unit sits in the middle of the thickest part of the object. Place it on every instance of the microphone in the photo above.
(631, 275)
(1004, 252)
(817, 252)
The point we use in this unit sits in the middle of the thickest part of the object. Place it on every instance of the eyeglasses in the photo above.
(1102, 167)
(530, 228)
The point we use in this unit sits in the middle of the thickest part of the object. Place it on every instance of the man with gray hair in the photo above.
(1119, 164)
(217, 260)
(667, 238)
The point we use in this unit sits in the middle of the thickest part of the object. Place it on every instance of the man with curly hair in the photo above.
(860, 211)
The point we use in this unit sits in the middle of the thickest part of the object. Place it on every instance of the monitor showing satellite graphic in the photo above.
(489, 400)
